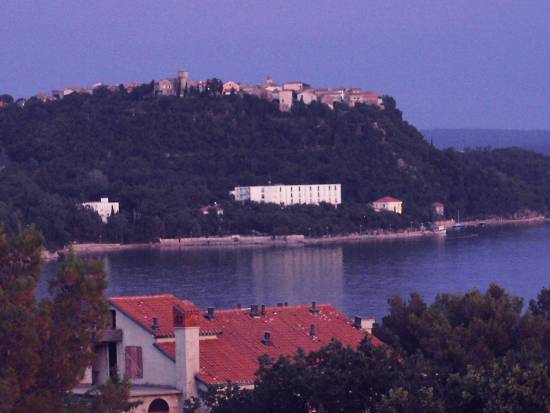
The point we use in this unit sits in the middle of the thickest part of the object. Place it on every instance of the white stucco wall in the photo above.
(104, 208)
(158, 369)
(291, 194)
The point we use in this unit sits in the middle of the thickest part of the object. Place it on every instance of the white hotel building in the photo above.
(290, 194)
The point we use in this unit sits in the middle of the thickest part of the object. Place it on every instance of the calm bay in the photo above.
(357, 277)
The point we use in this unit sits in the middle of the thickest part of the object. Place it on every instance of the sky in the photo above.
(448, 64)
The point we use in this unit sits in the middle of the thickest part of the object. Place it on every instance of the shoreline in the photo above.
(238, 241)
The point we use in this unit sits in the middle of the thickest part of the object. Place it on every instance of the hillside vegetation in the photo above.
(164, 157)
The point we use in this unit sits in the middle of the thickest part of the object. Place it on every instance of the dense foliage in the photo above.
(45, 346)
(463, 353)
(164, 157)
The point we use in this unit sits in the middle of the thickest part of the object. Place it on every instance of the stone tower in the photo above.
(183, 76)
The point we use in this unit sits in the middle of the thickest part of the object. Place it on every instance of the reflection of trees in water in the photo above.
(298, 275)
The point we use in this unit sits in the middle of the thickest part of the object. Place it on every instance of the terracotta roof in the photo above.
(231, 343)
(387, 199)
(437, 204)
(233, 354)
(142, 309)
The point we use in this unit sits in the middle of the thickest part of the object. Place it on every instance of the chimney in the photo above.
(186, 331)
(210, 313)
(266, 340)
(286, 303)
(239, 306)
(155, 325)
(263, 309)
(279, 304)
(314, 309)
(364, 324)
(312, 330)
(254, 310)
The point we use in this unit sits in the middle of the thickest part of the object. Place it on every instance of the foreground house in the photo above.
(290, 194)
(388, 203)
(171, 350)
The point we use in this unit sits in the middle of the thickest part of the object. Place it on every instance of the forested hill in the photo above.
(164, 157)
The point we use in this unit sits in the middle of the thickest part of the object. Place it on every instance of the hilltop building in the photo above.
(285, 100)
(171, 350)
(167, 87)
(286, 93)
(104, 208)
(290, 194)
(231, 88)
(388, 203)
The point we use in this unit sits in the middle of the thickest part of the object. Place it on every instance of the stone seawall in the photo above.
(230, 240)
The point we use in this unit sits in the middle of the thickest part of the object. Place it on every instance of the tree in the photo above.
(474, 352)
(46, 345)
(6, 99)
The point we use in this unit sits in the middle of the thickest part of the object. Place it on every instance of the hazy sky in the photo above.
(467, 63)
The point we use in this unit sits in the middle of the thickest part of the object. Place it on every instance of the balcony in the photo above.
(113, 335)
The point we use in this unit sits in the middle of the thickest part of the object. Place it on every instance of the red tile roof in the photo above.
(387, 199)
(142, 309)
(231, 343)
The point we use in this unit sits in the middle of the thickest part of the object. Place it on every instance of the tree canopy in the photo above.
(473, 352)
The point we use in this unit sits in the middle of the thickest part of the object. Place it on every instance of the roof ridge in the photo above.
(275, 307)
(141, 297)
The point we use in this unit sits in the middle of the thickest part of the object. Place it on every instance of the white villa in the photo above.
(104, 208)
(388, 203)
(290, 194)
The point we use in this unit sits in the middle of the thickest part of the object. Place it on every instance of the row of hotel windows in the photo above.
(300, 188)
(299, 196)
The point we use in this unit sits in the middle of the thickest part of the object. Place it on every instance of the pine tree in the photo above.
(47, 345)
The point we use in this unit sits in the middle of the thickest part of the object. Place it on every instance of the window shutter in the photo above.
(133, 362)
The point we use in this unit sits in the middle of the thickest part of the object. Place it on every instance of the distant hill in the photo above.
(535, 140)
(163, 158)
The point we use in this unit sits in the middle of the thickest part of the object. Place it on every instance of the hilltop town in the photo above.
(183, 85)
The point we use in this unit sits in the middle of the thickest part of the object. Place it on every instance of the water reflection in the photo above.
(298, 275)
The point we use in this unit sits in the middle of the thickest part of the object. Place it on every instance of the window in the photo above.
(113, 319)
(134, 362)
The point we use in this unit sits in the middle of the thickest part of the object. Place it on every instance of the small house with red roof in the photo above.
(388, 203)
(171, 350)
(213, 209)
